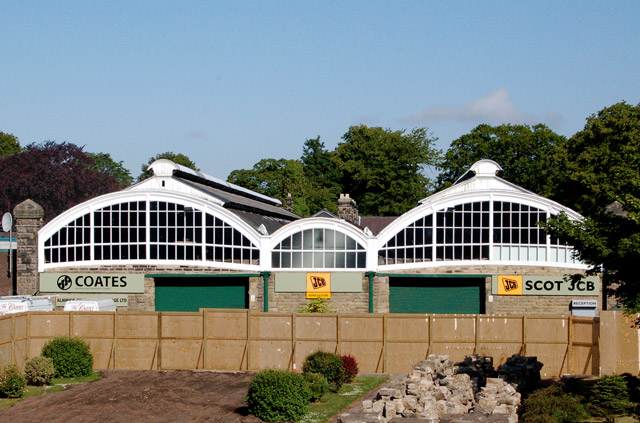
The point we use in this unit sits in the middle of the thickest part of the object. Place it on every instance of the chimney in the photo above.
(348, 209)
(289, 203)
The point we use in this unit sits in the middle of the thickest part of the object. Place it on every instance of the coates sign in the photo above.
(92, 282)
(545, 285)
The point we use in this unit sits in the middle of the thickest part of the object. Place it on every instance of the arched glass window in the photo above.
(462, 232)
(319, 248)
(153, 230)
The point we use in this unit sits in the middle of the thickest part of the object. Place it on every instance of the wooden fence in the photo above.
(247, 340)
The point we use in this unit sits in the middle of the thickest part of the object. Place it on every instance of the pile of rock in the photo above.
(522, 372)
(479, 368)
(435, 388)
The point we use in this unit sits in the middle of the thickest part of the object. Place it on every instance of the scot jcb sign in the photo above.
(545, 285)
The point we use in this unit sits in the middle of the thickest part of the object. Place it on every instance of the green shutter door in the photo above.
(436, 295)
(192, 294)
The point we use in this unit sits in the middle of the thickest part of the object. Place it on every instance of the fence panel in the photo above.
(407, 341)
(181, 341)
(271, 341)
(314, 332)
(585, 353)
(225, 343)
(136, 340)
(500, 337)
(98, 329)
(362, 336)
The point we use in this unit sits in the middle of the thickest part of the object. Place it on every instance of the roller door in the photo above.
(436, 295)
(192, 294)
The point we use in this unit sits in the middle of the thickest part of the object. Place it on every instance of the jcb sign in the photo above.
(546, 285)
(318, 285)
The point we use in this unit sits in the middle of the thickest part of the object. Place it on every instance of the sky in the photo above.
(229, 83)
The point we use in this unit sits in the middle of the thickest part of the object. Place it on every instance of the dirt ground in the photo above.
(142, 396)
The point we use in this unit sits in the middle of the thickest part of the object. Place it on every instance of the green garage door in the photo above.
(192, 294)
(436, 295)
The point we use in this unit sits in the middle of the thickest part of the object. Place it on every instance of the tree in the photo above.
(383, 169)
(103, 163)
(602, 166)
(57, 176)
(528, 155)
(8, 144)
(322, 174)
(180, 159)
(277, 179)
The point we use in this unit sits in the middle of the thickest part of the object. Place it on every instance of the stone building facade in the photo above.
(182, 240)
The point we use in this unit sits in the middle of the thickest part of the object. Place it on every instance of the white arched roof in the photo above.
(139, 194)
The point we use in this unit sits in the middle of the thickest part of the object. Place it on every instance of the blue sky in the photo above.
(230, 83)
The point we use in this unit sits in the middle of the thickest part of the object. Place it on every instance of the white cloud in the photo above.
(496, 107)
(198, 135)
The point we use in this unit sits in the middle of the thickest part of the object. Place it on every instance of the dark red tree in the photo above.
(55, 175)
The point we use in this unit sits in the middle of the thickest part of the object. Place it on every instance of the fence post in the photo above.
(293, 338)
(476, 349)
(430, 317)
(384, 343)
(13, 340)
(159, 342)
(570, 343)
(248, 339)
(205, 335)
(524, 335)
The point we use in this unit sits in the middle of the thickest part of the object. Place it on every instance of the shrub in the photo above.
(610, 397)
(317, 305)
(278, 395)
(552, 405)
(318, 385)
(328, 365)
(71, 356)
(350, 367)
(12, 383)
(39, 370)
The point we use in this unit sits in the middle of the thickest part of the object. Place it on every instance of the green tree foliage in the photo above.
(276, 178)
(103, 163)
(56, 176)
(528, 155)
(383, 170)
(322, 173)
(180, 159)
(8, 144)
(610, 397)
(602, 167)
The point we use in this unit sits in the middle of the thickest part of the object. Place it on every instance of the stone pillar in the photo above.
(348, 209)
(289, 203)
(28, 216)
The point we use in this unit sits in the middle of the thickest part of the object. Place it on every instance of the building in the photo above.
(182, 240)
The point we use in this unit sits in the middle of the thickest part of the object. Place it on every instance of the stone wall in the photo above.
(7, 282)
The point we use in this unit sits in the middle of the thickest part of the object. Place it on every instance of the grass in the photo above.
(332, 403)
(57, 384)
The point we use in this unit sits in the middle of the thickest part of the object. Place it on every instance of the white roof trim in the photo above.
(165, 168)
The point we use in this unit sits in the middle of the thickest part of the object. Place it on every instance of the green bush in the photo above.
(552, 405)
(350, 367)
(328, 365)
(71, 356)
(317, 305)
(39, 370)
(610, 397)
(318, 385)
(12, 383)
(278, 395)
